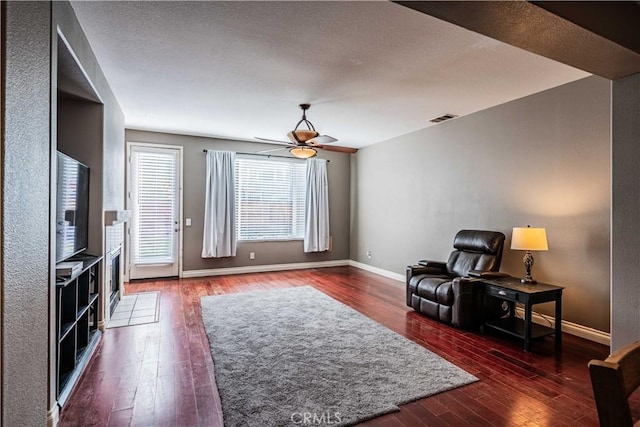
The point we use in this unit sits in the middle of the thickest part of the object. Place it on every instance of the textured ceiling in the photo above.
(371, 70)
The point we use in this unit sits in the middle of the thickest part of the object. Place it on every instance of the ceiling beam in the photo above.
(599, 37)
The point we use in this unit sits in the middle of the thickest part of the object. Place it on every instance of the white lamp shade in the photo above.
(529, 239)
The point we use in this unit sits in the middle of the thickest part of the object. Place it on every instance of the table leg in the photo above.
(558, 333)
(527, 327)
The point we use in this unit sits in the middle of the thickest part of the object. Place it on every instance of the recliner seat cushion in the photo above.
(435, 289)
(412, 286)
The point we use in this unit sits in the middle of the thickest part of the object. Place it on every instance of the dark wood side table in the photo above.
(511, 290)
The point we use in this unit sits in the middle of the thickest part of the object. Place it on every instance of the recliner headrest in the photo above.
(479, 241)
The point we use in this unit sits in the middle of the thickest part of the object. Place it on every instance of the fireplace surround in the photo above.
(113, 263)
(113, 260)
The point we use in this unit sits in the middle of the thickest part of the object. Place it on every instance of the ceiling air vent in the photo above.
(443, 118)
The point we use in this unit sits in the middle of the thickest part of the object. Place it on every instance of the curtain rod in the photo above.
(267, 155)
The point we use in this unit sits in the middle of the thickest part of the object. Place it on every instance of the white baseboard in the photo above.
(263, 268)
(53, 416)
(380, 271)
(570, 328)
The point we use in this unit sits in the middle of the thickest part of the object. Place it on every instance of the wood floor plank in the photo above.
(162, 373)
(164, 410)
(121, 418)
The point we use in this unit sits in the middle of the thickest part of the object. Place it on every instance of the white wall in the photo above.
(542, 160)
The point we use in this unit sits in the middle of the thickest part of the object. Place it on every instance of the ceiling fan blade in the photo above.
(338, 148)
(291, 137)
(321, 139)
(272, 140)
(273, 149)
(277, 141)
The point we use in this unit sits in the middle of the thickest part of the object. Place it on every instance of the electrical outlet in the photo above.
(252, 255)
(369, 254)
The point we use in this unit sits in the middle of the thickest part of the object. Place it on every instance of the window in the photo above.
(270, 198)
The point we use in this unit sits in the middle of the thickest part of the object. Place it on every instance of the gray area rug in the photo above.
(291, 357)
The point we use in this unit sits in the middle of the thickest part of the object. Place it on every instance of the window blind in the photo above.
(154, 206)
(270, 198)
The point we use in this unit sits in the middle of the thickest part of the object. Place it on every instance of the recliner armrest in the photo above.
(433, 264)
(414, 270)
(487, 274)
(434, 267)
(469, 310)
(463, 286)
(467, 294)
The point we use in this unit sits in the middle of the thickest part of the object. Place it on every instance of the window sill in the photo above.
(271, 240)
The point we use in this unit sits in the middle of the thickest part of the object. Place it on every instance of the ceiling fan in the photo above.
(305, 141)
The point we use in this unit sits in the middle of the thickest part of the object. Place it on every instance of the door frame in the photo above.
(127, 245)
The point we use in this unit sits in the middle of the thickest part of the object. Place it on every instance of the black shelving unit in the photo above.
(77, 308)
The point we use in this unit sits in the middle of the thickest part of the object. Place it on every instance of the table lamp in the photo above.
(529, 239)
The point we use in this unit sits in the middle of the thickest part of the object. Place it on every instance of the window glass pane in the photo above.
(270, 198)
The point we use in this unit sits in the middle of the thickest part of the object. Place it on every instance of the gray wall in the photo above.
(80, 136)
(111, 150)
(28, 145)
(542, 160)
(266, 252)
(100, 144)
(625, 229)
(25, 212)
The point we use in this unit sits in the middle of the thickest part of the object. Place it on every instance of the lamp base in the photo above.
(528, 264)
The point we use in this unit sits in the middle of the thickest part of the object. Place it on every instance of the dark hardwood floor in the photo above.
(161, 374)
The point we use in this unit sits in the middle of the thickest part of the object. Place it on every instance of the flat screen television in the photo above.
(72, 207)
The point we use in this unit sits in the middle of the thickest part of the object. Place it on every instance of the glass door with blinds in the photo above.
(154, 199)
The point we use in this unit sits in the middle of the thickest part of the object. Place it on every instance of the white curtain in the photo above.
(219, 238)
(316, 230)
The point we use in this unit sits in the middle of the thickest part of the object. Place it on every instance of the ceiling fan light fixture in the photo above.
(303, 140)
(302, 135)
(303, 152)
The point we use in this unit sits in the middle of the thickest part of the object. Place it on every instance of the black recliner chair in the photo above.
(443, 291)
